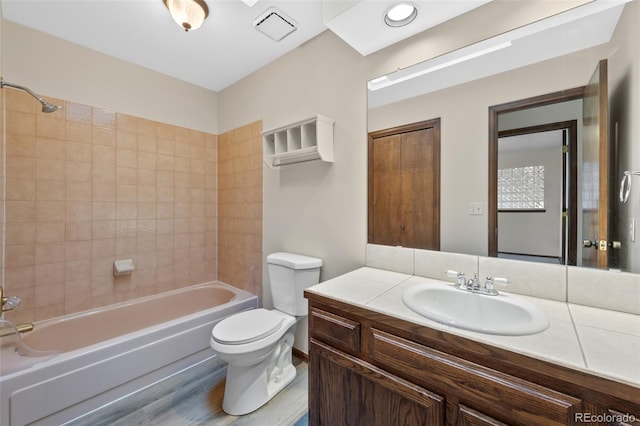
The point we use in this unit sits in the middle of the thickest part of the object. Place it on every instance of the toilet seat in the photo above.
(247, 327)
(259, 341)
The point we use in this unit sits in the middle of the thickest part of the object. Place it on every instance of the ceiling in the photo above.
(227, 47)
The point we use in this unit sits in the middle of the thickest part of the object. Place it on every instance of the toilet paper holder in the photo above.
(123, 267)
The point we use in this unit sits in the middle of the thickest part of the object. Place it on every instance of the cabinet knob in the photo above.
(402, 227)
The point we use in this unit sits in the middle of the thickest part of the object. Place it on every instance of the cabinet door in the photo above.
(346, 391)
(469, 417)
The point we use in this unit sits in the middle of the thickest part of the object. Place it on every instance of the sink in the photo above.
(502, 314)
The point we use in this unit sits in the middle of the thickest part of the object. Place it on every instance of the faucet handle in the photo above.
(453, 274)
(459, 275)
(488, 284)
(501, 281)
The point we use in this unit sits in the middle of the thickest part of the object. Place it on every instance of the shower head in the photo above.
(46, 106)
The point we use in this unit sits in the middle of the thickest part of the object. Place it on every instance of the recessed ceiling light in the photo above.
(400, 14)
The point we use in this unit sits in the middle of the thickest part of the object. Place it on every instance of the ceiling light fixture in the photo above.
(400, 14)
(189, 14)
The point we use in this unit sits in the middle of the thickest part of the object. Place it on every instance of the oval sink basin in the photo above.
(503, 314)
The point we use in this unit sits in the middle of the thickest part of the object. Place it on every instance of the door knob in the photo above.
(602, 244)
(615, 244)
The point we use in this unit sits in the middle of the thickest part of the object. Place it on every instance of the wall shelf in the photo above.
(306, 140)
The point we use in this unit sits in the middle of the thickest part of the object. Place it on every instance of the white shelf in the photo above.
(306, 140)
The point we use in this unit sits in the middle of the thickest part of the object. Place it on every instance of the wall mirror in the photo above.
(507, 106)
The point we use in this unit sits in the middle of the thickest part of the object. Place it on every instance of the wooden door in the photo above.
(595, 157)
(404, 186)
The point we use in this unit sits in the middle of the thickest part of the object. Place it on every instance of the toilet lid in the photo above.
(247, 327)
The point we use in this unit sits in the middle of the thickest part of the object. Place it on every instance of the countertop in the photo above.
(598, 341)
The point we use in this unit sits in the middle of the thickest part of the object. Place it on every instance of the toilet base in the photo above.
(250, 387)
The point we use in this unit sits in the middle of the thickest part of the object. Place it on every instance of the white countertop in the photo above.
(601, 342)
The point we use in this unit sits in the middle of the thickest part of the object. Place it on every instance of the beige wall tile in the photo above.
(78, 113)
(47, 189)
(104, 118)
(20, 233)
(76, 151)
(20, 189)
(86, 186)
(50, 231)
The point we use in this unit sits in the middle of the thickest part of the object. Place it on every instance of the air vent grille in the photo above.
(275, 24)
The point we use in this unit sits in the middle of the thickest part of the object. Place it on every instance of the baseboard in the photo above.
(299, 354)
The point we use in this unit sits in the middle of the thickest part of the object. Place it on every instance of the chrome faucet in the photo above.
(473, 284)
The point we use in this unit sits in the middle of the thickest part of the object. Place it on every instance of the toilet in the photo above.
(257, 344)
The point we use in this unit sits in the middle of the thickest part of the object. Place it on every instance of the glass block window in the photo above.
(521, 188)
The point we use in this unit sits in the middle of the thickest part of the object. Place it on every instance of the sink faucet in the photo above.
(474, 283)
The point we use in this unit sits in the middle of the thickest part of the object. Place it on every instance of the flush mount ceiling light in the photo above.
(189, 14)
(400, 14)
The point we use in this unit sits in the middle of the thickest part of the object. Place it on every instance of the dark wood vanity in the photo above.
(368, 368)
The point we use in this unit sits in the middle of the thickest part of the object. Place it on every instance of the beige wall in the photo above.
(86, 186)
(53, 67)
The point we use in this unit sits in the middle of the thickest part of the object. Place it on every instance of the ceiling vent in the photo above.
(275, 24)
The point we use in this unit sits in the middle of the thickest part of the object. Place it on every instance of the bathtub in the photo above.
(107, 353)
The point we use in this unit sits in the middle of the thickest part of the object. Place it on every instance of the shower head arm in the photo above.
(46, 106)
(17, 86)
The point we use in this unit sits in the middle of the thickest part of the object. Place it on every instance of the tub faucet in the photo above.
(9, 303)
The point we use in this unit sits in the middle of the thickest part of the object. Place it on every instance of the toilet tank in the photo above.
(290, 274)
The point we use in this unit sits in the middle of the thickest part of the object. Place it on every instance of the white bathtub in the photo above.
(109, 352)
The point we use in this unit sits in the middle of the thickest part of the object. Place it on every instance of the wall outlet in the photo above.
(475, 208)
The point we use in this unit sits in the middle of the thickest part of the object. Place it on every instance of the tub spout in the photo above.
(20, 328)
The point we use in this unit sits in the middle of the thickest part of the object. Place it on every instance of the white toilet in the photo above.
(257, 344)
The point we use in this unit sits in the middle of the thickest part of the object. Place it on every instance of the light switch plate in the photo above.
(475, 208)
(632, 230)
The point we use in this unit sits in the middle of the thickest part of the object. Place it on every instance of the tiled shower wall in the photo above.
(85, 187)
(240, 207)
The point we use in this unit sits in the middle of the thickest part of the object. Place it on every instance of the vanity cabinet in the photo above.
(367, 368)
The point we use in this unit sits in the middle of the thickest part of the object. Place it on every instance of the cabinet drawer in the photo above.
(496, 394)
(335, 330)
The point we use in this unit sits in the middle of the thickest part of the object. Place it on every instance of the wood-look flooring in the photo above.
(194, 397)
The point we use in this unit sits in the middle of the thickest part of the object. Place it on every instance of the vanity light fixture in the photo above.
(400, 14)
(189, 14)
(419, 70)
